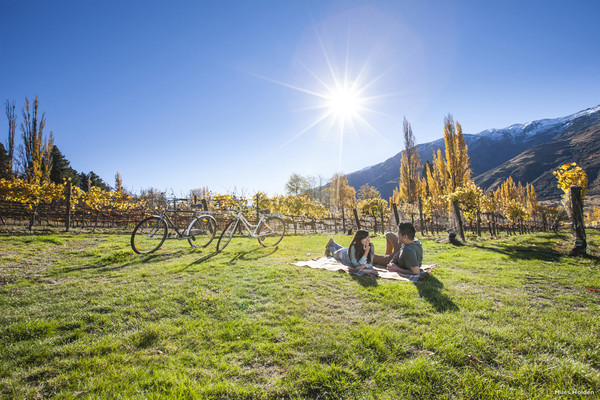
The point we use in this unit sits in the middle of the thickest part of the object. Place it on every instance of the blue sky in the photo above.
(226, 94)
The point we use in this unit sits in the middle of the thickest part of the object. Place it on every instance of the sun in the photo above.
(344, 101)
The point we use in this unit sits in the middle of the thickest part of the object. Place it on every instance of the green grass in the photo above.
(82, 316)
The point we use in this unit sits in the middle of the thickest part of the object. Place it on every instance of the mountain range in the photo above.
(528, 152)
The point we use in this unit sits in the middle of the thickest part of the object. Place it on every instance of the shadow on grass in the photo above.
(103, 266)
(252, 255)
(587, 256)
(203, 259)
(430, 290)
(543, 251)
(365, 280)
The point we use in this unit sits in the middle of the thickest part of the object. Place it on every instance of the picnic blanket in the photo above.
(331, 264)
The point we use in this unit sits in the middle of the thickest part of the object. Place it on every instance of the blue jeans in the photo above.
(338, 251)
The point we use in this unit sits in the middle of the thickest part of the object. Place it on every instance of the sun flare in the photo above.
(344, 102)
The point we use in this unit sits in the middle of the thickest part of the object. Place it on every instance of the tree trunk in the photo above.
(68, 213)
(421, 216)
(357, 219)
(578, 222)
(396, 215)
(461, 231)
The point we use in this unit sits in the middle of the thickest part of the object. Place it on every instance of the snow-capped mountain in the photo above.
(529, 152)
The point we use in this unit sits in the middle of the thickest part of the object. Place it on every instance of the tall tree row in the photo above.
(410, 186)
(9, 152)
(35, 155)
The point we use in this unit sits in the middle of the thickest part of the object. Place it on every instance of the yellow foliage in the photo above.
(571, 175)
(33, 194)
(592, 218)
(376, 207)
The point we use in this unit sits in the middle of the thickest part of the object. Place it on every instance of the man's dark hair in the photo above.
(406, 228)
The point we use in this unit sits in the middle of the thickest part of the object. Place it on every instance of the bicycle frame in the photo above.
(251, 228)
(180, 234)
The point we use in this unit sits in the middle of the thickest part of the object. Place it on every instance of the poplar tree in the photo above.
(458, 165)
(12, 128)
(118, 182)
(409, 187)
(340, 193)
(35, 156)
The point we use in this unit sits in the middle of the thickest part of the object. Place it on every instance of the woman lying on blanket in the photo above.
(358, 256)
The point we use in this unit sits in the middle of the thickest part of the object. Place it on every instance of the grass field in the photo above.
(82, 316)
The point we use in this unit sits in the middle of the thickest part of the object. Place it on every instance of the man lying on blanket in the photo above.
(408, 259)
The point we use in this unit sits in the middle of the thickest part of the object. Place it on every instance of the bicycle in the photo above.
(269, 231)
(150, 233)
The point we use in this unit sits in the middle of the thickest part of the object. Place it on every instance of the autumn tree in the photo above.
(436, 178)
(35, 156)
(371, 203)
(367, 192)
(297, 185)
(409, 187)
(458, 165)
(12, 129)
(340, 193)
(119, 183)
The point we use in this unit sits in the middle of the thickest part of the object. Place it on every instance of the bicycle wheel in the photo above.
(201, 231)
(227, 234)
(271, 232)
(149, 235)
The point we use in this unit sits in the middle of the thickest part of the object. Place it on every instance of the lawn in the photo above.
(82, 316)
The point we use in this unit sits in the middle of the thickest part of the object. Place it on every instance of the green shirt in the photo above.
(409, 256)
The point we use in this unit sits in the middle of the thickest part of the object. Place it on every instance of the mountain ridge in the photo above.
(528, 152)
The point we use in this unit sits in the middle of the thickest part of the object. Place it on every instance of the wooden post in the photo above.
(456, 209)
(421, 217)
(396, 215)
(204, 204)
(357, 219)
(257, 209)
(544, 222)
(68, 213)
(578, 222)
(343, 221)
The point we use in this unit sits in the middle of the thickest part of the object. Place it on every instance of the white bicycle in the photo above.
(269, 231)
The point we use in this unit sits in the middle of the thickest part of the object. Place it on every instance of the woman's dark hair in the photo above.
(358, 247)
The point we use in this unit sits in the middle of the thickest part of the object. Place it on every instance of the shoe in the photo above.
(327, 249)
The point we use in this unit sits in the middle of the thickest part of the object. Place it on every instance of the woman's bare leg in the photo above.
(392, 243)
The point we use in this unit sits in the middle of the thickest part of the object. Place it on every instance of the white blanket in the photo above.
(331, 264)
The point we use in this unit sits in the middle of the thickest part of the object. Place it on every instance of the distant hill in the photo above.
(527, 152)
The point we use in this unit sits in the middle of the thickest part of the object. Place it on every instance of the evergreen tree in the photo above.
(4, 163)
(61, 168)
(91, 179)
